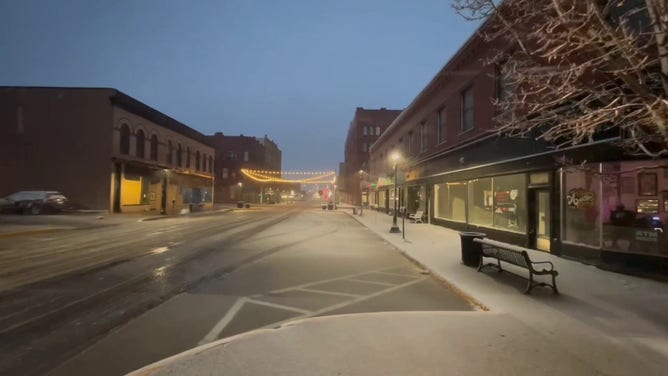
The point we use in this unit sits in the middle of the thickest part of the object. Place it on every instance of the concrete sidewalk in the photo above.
(602, 323)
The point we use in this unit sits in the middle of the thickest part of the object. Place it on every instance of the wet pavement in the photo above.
(172, 284)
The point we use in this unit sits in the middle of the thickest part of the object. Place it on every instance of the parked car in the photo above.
(34, 202)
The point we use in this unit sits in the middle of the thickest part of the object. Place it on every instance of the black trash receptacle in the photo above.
(470, 249)
(247, 206)
(354, 211)
(240, 204)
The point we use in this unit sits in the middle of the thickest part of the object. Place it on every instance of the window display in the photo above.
(480, 202)
(510, 202)
(450, 201)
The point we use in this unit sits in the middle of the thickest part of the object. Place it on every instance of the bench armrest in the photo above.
(544, 262)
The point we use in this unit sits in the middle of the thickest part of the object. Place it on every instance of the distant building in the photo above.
(234, 153)
(102, 149)
(365, 128)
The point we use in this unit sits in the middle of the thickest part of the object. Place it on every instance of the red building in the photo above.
(456, 168)
(365, 128)
(234, 153)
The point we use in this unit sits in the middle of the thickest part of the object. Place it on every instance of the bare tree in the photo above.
(571, 70)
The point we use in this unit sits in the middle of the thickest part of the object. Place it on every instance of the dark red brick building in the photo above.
(365, 128)
(103, 149)
(234, 153)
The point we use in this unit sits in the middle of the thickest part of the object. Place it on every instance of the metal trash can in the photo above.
(247, 206)
(240, 204)
(354, 211)
(471, 250)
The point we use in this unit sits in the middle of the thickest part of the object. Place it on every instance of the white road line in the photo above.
(279, 306)
(397, 274)
(343, 304)
(371, 282)
(329, 292)
(331, 279)
(220, 325)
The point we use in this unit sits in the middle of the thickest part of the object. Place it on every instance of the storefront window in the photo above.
(415, 200)
(480, 202)
(510, 202)
(450, 201)
(581, 200)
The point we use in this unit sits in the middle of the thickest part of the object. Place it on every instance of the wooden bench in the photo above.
(417, 217)
(518, 256)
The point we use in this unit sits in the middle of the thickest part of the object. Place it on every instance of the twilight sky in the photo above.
(292, 69)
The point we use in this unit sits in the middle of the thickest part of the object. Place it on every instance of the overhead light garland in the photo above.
(314, 177)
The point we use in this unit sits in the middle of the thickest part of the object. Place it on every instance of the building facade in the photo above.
(102, 149)
(456, 168)
(234, 153)
(365, 128)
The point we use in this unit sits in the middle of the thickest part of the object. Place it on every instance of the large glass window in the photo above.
(510, 202)
(581, 204)
(450, 201)
(480, 202)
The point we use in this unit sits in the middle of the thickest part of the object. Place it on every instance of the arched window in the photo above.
(170, 152)
(204, 162)
(179, 156)
(210, 164)
(125, 139)
(154, 148)
(188, 157)
(197, 160)
(140, 144)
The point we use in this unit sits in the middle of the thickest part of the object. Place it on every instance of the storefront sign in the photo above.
(579, 198)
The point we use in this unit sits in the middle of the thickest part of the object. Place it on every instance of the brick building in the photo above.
(465, 176)
(365, 128)
(102, 149)
(234, 153)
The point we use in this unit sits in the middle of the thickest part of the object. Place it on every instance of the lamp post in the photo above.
(241, 195)
(395, 229)
(361, 172)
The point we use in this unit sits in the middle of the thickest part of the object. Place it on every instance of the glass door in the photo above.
(539, 226)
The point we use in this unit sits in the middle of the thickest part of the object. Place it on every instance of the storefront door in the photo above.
(539, 219)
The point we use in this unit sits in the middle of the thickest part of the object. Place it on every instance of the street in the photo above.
(111, 298)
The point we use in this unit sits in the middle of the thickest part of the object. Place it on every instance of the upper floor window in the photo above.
(245, 156)
(198, 161)
(179, 156)
(231, 155)
(188, 157)
(225, 172)
(210, 164)
(441, 129)
(411, 142)
(141, 140)
(467, 109)
(377, 131)
(154, 148)
(423, 136)
(366, 130)
(170, 153)
(125, 139)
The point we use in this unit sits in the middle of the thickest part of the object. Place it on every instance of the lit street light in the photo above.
(241, 196)
(395, 158)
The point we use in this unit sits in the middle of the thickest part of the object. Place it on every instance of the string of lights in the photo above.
(315, 177)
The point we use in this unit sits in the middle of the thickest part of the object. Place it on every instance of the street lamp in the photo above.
(241, 196)
(395, 158)
(361, 172)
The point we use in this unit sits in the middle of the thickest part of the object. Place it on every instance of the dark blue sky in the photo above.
(294, 70)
